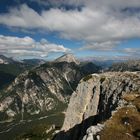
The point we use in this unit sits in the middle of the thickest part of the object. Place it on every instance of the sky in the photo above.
(46, 29)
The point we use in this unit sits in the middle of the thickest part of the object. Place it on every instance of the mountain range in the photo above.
(43, 90)
(66, 99)
(131, 65)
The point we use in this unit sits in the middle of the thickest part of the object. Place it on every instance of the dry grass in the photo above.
(136, 102)
(134, 98)
(123, 125)
(86, 78)
(130, 97)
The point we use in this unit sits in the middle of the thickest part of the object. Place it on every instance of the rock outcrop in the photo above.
(94, 101)
(92, 132)
(84, 102)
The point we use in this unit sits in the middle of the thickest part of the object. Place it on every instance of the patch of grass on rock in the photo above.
(123, 125)
(86, 78)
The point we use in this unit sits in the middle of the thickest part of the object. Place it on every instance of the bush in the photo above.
(87, 77)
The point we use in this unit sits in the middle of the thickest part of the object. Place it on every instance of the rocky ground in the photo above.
(104, 106)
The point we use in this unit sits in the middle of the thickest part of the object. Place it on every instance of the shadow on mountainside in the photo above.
(79, 130)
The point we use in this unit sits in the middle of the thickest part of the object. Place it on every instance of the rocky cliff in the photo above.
(95, 99)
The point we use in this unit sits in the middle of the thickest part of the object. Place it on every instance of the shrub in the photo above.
(87, 77)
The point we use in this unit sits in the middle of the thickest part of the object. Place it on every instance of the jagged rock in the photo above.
(92, 132)
(95, 129)
(83, 102)
(10, 113)
(89, 137)
(95, 98)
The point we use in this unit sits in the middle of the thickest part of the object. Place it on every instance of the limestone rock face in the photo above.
(43, 89)
(83, 103)
(95, 99)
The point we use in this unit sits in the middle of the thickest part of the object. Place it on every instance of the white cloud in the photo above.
(8, 42)
(99, 22)
(88, 24)
(132, 52)
(103, 46)
(101, 3)
(26, 46)
(118, 3)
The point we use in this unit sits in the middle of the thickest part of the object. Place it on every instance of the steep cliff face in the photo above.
(95, 99)
(84, 102)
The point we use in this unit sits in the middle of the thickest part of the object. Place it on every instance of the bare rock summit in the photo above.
(69, 58)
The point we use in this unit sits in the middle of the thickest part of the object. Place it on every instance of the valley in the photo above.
(38, 97)
(66, 99)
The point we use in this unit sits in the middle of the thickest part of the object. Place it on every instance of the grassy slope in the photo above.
(125, 123)
(8, 72)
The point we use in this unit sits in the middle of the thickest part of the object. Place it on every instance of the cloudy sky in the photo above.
(87, 28)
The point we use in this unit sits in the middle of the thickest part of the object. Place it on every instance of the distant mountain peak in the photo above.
(67, 58)
(5, 60)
